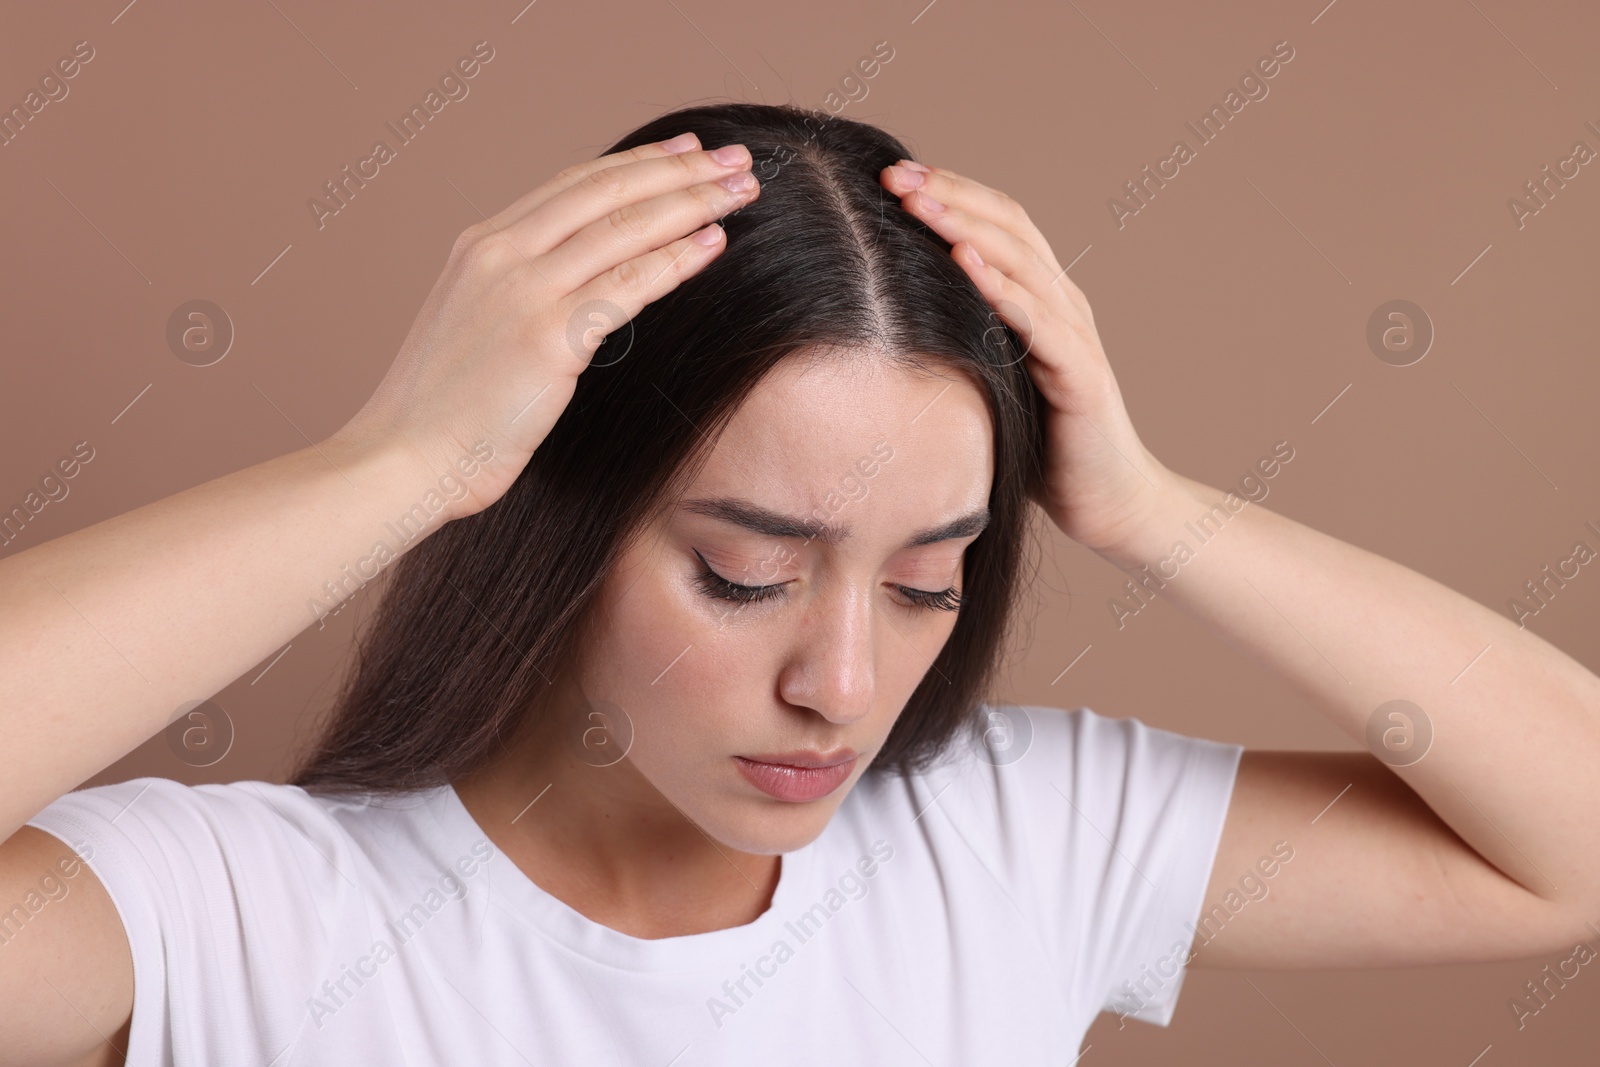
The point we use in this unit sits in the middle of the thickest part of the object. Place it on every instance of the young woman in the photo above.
(668, 742)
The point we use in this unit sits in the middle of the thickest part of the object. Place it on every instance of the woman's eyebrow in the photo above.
(762, 520)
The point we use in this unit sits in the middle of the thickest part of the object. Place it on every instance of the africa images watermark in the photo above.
(1140, 190)
(1253, 888)
(52, 887)
(1541, 590)
(855, 90)
(402, 930)
(851, 886)
(1541, 190)
(1540, 992)
(453, 87)
(53, 89)
(405, 529)
(52, 484)
(1141, 590)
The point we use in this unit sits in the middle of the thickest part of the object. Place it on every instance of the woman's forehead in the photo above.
(808, 417)
(846, 447)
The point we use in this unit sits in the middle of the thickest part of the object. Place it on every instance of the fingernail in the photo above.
(681, 143)
(931, 204)
(909, 178)
(708, 236)
(730, 154)
(914, 165)
(738, 181)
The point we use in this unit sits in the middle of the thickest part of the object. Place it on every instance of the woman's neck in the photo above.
(606, 843)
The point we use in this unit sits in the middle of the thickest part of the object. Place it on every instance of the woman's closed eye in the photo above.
(717, 587)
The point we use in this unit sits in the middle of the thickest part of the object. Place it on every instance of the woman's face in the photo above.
(829, 654)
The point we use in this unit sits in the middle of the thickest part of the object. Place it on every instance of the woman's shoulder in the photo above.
(248, 890)
(1038, 790)
(1015, 745)
(165, 833)
(1098, 831)
(154, 803)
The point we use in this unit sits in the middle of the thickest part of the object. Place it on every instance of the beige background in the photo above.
(1234, 307)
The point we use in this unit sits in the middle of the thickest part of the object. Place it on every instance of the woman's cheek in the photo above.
(668, 638)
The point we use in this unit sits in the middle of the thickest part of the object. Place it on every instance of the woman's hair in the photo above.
(479, 618)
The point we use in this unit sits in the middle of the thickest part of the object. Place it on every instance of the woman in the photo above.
(667, 744)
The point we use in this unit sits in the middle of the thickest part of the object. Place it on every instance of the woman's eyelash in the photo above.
(715, 585)
(943, 600)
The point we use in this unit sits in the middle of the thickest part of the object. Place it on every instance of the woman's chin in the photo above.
(763, 827)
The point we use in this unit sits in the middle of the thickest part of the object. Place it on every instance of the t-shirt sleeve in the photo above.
(1122, 826)
(223, 890)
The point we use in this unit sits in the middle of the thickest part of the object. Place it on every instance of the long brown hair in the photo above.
(478, 619)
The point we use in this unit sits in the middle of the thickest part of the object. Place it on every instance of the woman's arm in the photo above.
(1489, 845)
(106, 632)
(1494, 849)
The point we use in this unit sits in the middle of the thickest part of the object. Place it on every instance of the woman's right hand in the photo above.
(527, 296)
(109, 633)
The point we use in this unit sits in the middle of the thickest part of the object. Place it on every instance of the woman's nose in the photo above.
(832, 663)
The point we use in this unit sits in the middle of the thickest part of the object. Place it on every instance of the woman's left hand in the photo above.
(1101, 483)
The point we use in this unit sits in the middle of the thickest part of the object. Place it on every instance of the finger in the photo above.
(565, 179)
(620, 293)
(618, 189)
(1052, 369)
(973, 197)
(633, 229)
(958, 192)
(998, 246)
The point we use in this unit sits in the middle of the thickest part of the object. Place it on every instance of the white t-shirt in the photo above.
(982, 912)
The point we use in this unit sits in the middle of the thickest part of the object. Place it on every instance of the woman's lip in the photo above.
(805, 759)
(795, 784)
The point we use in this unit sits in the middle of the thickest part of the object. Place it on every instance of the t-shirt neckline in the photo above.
(513, 891)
